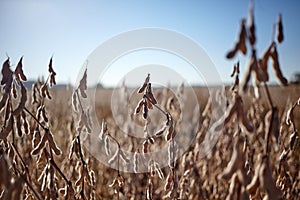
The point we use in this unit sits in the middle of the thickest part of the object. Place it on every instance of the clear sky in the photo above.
(71, 30)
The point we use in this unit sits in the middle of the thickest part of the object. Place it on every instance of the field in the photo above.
(196, 178)
(235, 142)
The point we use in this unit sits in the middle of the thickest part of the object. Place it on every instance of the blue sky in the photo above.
(71, 30)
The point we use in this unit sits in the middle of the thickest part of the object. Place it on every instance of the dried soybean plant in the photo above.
(85, 183)
(118, 181)
(147, 103)
(16, 121)
(262, 180)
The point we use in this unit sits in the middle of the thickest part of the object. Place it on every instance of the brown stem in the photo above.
(37, 121)
(60, 172)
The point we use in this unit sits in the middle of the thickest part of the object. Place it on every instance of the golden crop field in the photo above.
(151, 142)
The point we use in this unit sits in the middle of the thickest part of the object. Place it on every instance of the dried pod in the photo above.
(161, 131)
(83, 85)
(229, 114)
(40, 145)
(44, 115)
(254, 184)
(107, 145)
(280, 36)
(158, 171)
(242, 115)
(236, 69)
(149, 190)
(263, 63)
(19, 74)
(267, 182)
(52, 73)
(3, 100)
(7, 76)
(293, 140)
(14, 90)
(23, 100)
(149, 94)
(6, 130)
(103, 130)
(25, 123)
(124, 157)
(74, 101)
(139, 106)
(45, 91)
(235, 163)
(52, 144)
(169, 181)
(145, 147)
(18, 125)
(275, 123)
(276, 66)
(259, 74)
(145, 109)
(135, 162)
(171, 133)
(114, 183)
(241, 43)
(36, 138)
(252, 37)
(34, 93)
(143, 87)
(114, 157)
(290, 116)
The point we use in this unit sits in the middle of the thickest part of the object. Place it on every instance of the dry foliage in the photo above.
(256, 157)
